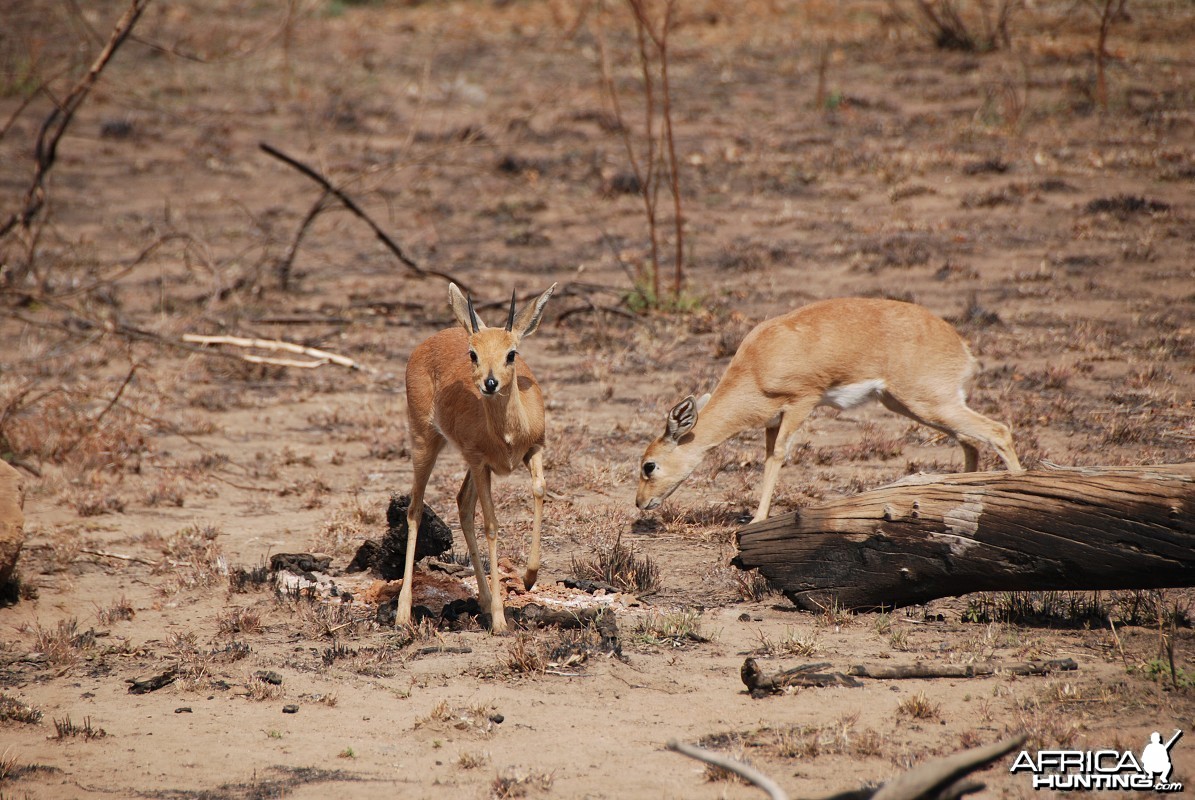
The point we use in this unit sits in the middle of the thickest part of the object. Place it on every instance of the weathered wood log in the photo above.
(922, 669)
(759, 684)
(936, 536)
(12, 521)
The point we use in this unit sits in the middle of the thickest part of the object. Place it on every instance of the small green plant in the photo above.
(273, 734)
(346, 753)
(1158, 669)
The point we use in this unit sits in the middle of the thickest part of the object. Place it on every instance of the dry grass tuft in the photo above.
(919, 707)
(791, 644)
(472, 760)
(17, 711)
(520, 782)
(675, 629)
(121, 610)
(526, 655)
(619, 566)
(66, 729)
(239, 620)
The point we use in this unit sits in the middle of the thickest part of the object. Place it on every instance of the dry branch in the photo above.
(923, 670)
(322, 356)
(744, 771)
(759, 684)
(46, 148)
(352, 206)
(936, 536)
(942, 779)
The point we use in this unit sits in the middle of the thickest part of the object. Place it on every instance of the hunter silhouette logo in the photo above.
(1064, 770)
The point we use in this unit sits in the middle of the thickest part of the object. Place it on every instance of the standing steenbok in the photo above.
(839, 353)
(468, 386)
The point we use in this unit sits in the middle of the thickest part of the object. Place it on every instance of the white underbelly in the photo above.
(849, 395)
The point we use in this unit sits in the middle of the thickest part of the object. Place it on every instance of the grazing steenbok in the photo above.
(468, 386)
(838, 353)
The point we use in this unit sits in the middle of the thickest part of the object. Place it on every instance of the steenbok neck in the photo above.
(506, 414)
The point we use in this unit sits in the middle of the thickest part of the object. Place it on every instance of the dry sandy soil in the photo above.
(992, 187)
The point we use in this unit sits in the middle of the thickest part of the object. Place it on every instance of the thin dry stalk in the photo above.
(55, 125)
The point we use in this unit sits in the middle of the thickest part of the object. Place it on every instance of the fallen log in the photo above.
(931, 536)
(921, 669)
(759, 684)
(12, 526)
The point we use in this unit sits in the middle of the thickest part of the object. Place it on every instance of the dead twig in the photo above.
(352, 206)
(322, 356)
(118, 556)
(747, 773)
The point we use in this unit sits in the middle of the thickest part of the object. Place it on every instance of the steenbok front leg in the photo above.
(425, 460)
(535, 464)
(778, 439)
(490, 518)
(466, 506)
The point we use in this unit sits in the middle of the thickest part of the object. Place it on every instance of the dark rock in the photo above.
(388, 556)
(290, 709)
(590, 587)
(152, 684)
(300, 563)
(183, 710)
(1123, 205)
(268, 676)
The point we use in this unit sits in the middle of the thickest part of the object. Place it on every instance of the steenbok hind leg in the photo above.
(970, 428)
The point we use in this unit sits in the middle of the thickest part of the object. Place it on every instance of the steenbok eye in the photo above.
(649, 468)
(510, 357)
(473, 356)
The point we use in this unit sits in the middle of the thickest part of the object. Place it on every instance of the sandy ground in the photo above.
(991, 187)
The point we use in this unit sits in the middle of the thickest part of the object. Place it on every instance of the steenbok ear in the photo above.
(528, 320)
(462, 309)
(681, 419)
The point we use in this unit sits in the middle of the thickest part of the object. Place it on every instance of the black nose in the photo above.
(491, 385)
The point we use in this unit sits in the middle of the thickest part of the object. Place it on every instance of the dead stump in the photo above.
(12, 522)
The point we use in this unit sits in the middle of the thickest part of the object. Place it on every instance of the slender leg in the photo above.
(497, 612)
(777, 441)
(969, 427)
(535, 463)
(466, 505)
(424, 459)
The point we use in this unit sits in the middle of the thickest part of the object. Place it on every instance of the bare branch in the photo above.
(322, 356)
(352, 206)
(747, 773)
(55, 125)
